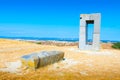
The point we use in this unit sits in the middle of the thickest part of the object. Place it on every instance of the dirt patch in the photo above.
(12, 67)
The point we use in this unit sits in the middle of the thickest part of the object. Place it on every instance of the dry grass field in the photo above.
(78, 65)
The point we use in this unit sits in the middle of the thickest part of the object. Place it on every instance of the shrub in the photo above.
(38, 42)
(116, 45)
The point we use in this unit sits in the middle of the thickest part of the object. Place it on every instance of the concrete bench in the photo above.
(36, 60)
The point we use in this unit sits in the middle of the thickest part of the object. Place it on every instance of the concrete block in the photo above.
(36, 60)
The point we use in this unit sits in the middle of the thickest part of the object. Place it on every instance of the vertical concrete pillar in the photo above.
(89, 19)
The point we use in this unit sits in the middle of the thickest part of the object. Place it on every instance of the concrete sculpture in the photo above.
(86, 19)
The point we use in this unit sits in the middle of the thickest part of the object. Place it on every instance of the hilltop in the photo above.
(86, 65)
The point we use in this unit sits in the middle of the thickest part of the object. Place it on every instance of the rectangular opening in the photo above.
(89, 32)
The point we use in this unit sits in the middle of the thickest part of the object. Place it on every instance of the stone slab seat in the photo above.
(36, 60)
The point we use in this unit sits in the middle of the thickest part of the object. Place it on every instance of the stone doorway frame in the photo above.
(85, 19)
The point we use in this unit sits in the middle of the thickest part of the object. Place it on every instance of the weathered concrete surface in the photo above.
(49, 57)
(43, 58)
(86, 19)
(31, 60)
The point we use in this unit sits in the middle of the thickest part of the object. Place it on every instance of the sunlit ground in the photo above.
(78, 65)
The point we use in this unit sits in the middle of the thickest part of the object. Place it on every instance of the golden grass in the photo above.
(88, 66)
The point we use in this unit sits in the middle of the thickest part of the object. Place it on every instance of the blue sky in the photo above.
(56, 18)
